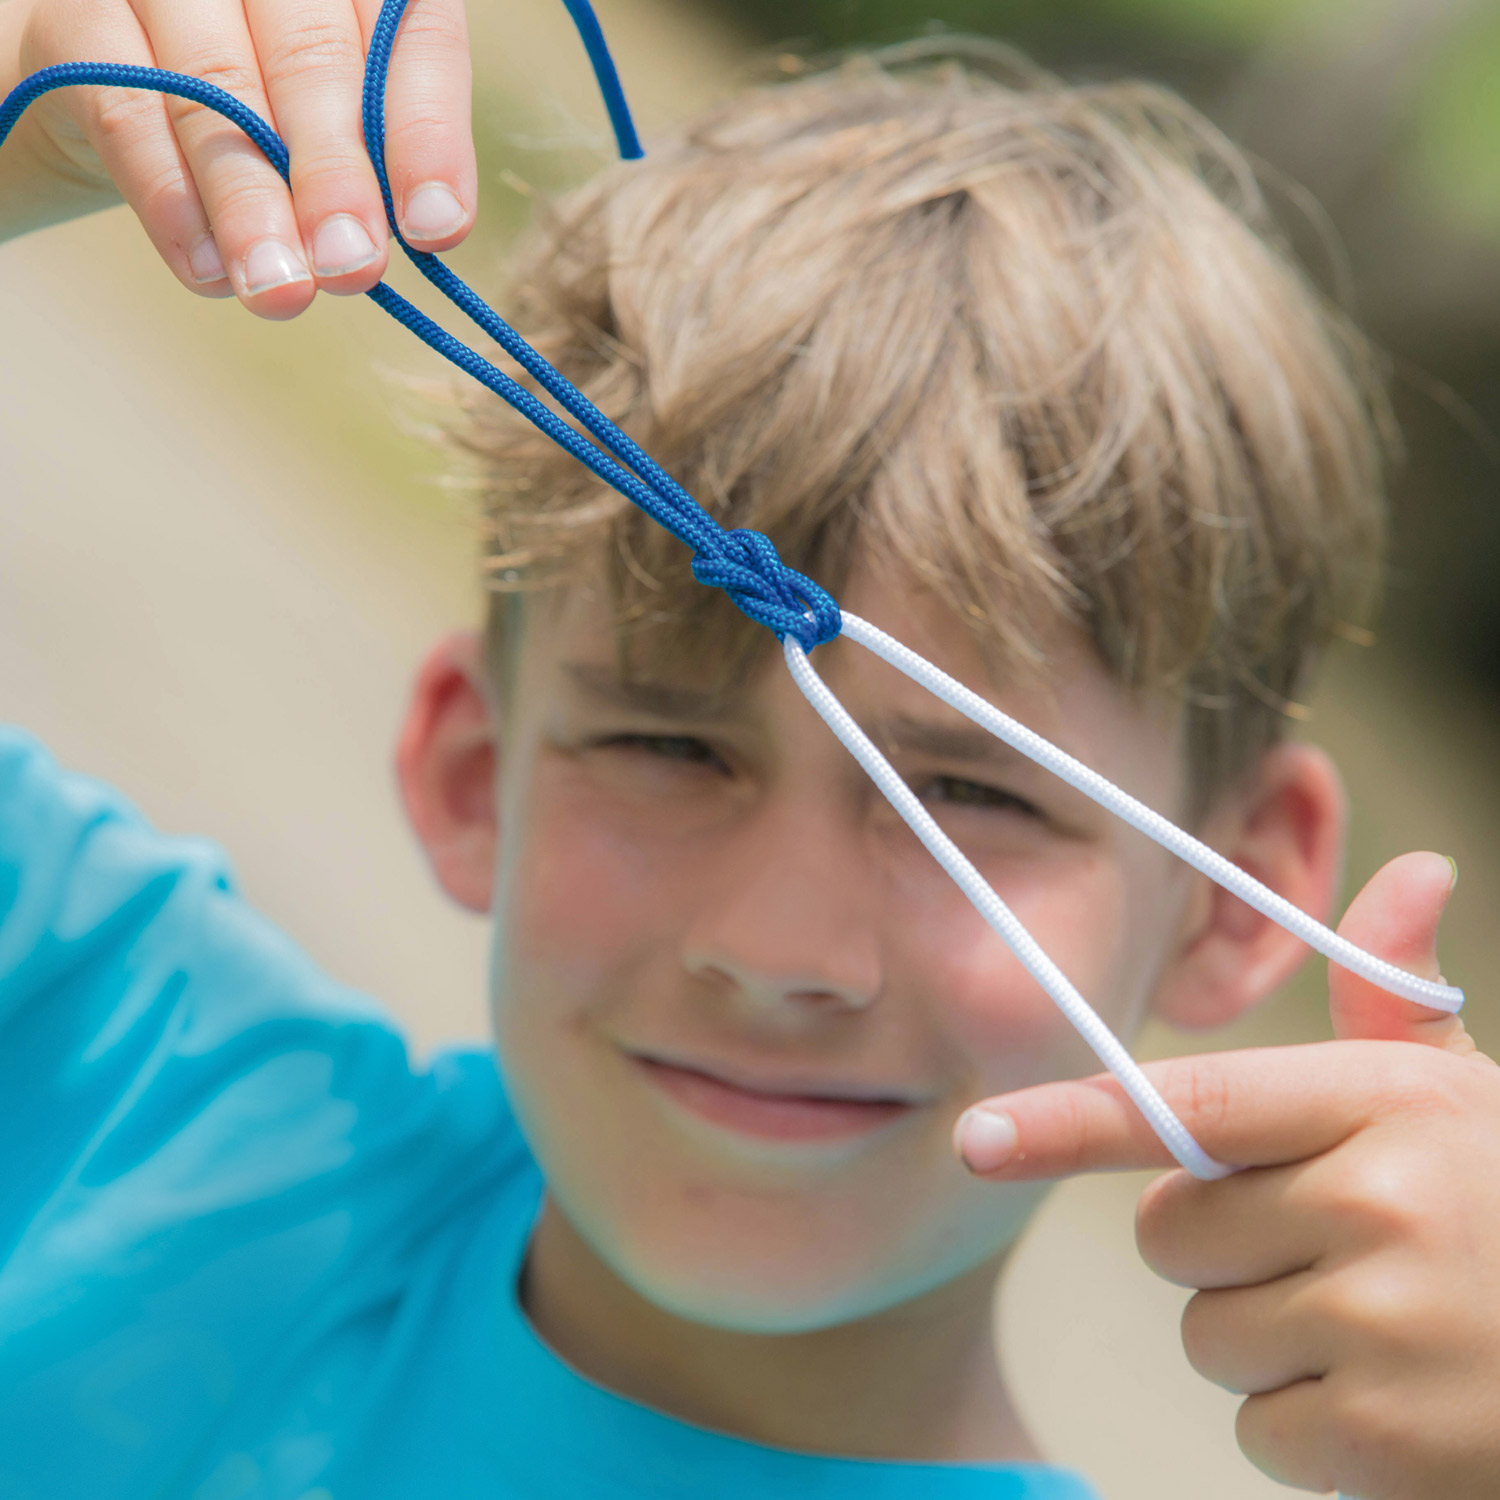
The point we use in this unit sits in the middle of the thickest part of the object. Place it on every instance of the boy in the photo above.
(996, 366)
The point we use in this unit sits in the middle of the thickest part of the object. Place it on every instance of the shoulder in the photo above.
(204, 1140)
(180, 1085)
(80, 870)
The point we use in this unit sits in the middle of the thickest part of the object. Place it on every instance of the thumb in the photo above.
(1396, 918)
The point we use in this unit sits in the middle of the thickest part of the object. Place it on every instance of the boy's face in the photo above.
(740, 1008)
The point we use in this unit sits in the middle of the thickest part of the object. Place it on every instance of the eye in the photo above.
(685, 748)
(955, 791)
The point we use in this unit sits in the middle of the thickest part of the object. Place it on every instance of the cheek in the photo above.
(583, 900)
(990, 1008)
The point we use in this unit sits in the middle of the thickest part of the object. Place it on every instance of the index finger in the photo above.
(1261, 1107)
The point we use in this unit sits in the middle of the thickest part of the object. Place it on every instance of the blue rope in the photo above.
(123, 75)
(743, 563)
(609, 80)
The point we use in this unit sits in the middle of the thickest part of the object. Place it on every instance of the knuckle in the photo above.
(1359, 1419)
(122, 113)
(1272, 1435)
(1210, 1100)
(1202, 1333)
(249, 198)
(329, 176)
(191, 116)
(1381, 1194)
(1075, 1127)
(234, 76)
(426, 133)
(1163, 1222)
(434, 28)
(160, 194)
(1388, 1313)
(312, 48)
(1418, 1082)
(1371, 1432)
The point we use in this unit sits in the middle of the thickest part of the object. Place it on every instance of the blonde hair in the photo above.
(1031, 347)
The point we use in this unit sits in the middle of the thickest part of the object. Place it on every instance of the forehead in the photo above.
(695, 638)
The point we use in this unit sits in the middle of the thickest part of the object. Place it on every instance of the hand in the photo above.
(215, 209)
(1350, 1277)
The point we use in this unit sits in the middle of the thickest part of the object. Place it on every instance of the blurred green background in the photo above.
(224, 545)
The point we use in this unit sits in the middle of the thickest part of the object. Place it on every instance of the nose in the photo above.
(789, 924)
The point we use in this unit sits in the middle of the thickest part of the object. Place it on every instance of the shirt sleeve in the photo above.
(206, 1146)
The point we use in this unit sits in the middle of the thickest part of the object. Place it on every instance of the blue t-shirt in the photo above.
(248, 1251)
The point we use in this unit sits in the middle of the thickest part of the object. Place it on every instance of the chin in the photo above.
(789, 1283)
(747, 1300)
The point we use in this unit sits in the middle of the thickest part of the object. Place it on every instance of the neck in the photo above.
(918, 1382)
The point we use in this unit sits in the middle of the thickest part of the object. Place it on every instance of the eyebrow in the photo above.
(663, 700)
(942, 740)
(955, 741)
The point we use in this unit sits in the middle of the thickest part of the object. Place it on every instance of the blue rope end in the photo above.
(627, 141)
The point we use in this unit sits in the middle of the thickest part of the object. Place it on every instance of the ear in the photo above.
(445, 761)
(1286, 827)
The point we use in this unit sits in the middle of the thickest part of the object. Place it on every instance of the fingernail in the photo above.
(269, 264)
(432, 213)
(1454, 863)
(341, 245)
(986, 1140)
(205, 264)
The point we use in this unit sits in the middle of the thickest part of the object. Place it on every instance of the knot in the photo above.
(746, 566)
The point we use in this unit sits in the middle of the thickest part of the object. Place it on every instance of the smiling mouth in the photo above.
(769, 1114)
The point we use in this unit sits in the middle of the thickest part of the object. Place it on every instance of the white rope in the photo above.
(999, 917)
(1106, 1046)
(1166, 833)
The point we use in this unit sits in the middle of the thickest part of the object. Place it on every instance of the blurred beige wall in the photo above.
(221, 558)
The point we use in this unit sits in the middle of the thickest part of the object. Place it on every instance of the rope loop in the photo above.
(748, 568)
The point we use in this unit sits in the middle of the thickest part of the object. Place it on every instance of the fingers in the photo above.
(1262, 1107)
(1342, 1434)
(1253, 1339)
(1381, 1193)
(1285, 1434)
(1402, 1422)
(216, 210)
(429, 132)
(126, 134)
(1257, 1226)
(312, 64)
(1396, 916)
(248, 205)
